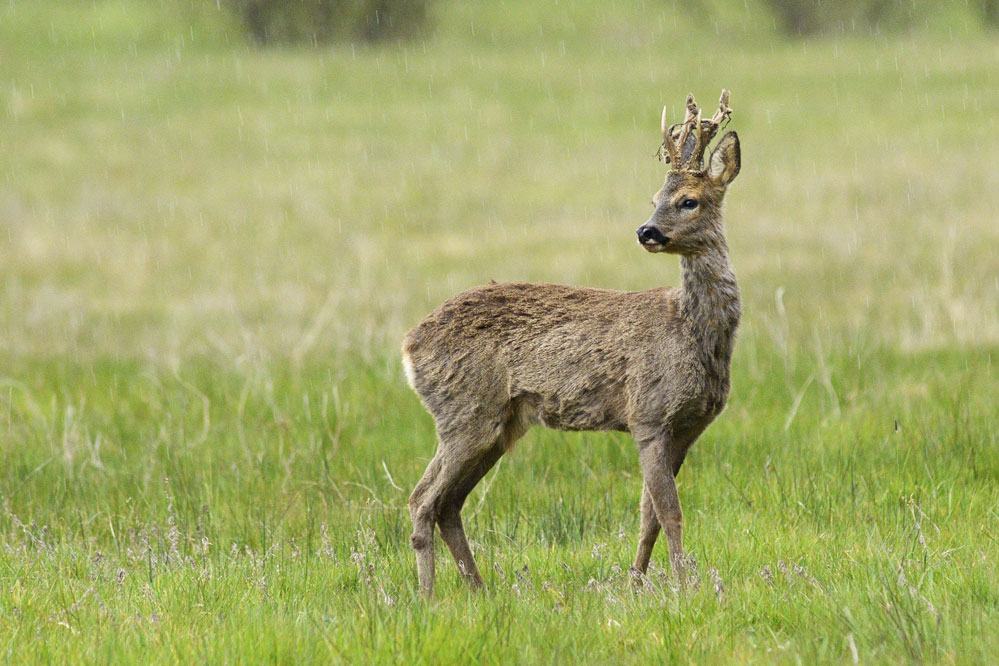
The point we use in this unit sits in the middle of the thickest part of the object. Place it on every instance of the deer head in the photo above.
(687, 217)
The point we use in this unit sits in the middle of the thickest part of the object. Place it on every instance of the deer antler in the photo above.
(693, 117)
(675, 137)
(668, 147)
(706, 131)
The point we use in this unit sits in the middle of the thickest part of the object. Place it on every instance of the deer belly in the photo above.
(585, 410)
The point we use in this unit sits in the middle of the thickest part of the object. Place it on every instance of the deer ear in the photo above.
(725, 160)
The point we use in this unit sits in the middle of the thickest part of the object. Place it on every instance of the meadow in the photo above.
(210, 254)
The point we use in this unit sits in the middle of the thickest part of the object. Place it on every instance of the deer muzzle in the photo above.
(649, 236)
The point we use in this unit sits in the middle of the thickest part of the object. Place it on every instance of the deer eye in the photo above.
(689, 204)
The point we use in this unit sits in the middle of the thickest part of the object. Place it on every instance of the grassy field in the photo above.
(210, 255)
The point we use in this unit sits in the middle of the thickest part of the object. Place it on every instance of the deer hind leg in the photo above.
(423, 513)
(648, 534)
(437, 499)
(660, 484)
(449, 521)
(463, 457)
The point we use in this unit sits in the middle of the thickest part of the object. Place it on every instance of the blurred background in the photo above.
(255, 178)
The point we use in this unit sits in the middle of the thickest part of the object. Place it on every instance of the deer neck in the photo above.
(711, 303)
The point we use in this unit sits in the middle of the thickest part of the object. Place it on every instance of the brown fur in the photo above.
(497, 359)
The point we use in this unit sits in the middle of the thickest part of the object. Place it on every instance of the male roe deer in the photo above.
(496, 359)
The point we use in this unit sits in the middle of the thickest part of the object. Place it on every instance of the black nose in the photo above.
(648, 235)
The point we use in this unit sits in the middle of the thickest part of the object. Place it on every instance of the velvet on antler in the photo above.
(684, 143)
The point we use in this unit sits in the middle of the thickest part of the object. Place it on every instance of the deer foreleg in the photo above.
(657, 470)
(648, 534)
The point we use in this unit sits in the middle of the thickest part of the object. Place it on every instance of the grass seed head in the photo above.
(717, 582)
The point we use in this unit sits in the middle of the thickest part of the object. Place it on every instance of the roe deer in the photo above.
(496, 359)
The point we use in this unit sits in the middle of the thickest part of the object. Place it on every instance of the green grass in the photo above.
(211, 254)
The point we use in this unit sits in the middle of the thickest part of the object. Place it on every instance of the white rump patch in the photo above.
(407, 368)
